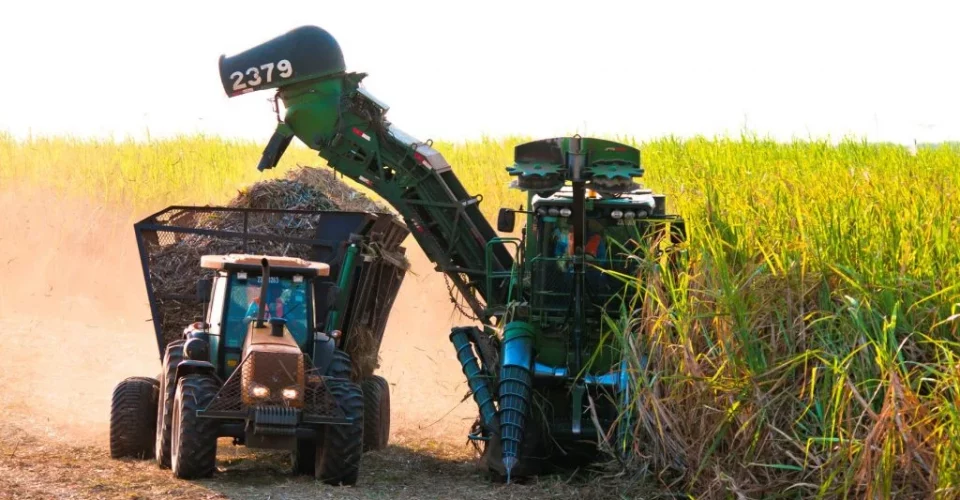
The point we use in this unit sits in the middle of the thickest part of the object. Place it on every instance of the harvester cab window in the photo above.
(287, 298)
(601, 250)
(561, 241)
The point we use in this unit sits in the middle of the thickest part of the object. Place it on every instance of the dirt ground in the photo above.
(74, 321)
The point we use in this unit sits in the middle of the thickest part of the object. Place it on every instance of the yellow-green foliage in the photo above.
(140, 175)
(809, 345)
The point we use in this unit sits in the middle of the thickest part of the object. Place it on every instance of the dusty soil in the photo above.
(74, 321)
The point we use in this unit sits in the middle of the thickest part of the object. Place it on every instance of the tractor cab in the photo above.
(237, 293)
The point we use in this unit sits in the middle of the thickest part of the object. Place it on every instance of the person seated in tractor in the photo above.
(253, 309)
(277, 308)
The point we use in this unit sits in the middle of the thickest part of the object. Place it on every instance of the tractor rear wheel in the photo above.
(133, 414)
(193, 450)
(340, 450)
(376, 413)
(168, 387)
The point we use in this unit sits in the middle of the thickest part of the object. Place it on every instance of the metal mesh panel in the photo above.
(274, 371)
(174, 240)
(228, 398)
(317, 398)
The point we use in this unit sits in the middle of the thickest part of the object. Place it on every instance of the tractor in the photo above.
(268, 364)
(546, 383)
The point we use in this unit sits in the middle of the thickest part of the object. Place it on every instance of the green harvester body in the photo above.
(547, 301)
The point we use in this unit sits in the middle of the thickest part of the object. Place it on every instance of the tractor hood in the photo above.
(273, 363)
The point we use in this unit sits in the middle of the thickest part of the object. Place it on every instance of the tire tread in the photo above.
(196, 446)
(132, 424)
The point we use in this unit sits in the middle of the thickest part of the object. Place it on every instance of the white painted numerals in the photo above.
(286, 69)
(258, 76)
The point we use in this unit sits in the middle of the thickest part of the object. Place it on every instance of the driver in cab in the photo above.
(277, 309)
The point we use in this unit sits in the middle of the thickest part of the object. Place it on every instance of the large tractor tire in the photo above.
(193, 450)
(340, 450)
(341, 366)
(168, 387)
(133, 413)
(305, 456)
(376, 413)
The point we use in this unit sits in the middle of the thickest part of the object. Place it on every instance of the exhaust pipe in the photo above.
(261, 310)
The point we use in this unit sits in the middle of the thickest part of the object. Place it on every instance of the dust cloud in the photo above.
(74, 321)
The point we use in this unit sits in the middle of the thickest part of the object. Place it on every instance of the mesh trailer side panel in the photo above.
(172, 241)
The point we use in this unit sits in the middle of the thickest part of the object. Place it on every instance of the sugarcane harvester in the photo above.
(547, 385)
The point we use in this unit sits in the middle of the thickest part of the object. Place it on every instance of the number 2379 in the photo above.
(255, 77)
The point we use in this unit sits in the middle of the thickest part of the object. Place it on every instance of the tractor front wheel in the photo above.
(376, 413)
(132, 418)
(341, 448)
(193, 450)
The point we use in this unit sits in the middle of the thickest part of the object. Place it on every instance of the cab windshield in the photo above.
(287, 298)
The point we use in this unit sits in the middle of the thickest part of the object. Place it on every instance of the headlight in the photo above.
(616, 214)
(565, 212)
(629, 215)
(642, 213)
(290, 393)
(553, 212)
(259, 391)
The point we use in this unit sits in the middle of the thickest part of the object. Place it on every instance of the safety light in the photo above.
(553, 212)
(616, 214)
(629, 215)
(290, 393)
(565, 212)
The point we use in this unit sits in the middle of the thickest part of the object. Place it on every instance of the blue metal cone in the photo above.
(509, 463)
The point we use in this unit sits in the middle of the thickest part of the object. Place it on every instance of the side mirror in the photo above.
(506, 220)
(204, 289)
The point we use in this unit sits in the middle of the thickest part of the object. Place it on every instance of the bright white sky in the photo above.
(455, 70)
